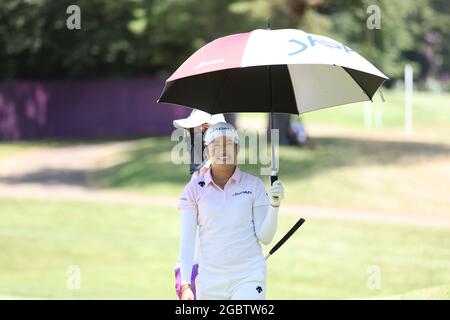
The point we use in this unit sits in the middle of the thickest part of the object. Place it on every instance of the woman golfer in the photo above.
(234, 214)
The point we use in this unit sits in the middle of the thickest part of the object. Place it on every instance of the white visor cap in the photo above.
(197, 118)
(221, 129)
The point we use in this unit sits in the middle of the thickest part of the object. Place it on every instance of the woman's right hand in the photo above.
(187, 294)
(276, 193)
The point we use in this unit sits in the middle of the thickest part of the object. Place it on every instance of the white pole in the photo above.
(378, 116)
(408, 99)
(367, 114)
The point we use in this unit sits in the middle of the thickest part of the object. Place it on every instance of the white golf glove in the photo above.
(276, 193)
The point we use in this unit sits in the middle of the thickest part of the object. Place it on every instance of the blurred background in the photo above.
(88, 191)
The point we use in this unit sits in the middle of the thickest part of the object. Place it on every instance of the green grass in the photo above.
(9, 149)
(409, 176)
(12, 148)
(128, 251)
(147, 168)
(429, 111)
(433, 293)
(402, 177)
(353, 173)
(123, 251)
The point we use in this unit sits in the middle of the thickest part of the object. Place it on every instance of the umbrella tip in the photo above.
(268, 23)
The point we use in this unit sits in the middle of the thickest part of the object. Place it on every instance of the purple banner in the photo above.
(37, 109)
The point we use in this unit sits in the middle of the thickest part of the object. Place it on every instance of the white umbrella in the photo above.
(285, 71)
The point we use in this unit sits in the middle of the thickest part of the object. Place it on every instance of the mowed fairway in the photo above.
(128, 251)
(126, 246)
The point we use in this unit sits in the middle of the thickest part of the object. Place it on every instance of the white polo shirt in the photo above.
(227, 238)
(203, 169)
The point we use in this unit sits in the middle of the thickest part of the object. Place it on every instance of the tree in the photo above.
(117, 38)
(133, 37)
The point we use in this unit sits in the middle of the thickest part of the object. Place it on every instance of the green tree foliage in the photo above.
(116, 38)
(405, 27)
(415, 32)
(35, 41)
(134, 37)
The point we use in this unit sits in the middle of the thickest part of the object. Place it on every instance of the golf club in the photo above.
(285, 238)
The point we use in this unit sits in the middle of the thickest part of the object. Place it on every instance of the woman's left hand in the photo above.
(187, 294)
(276, 193)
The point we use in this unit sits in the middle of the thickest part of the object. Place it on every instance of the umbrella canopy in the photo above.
(284, 71)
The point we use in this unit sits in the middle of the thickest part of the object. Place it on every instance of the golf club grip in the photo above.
(287, 236)
(273, 179)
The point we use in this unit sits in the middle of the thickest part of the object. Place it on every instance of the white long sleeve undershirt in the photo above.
(265, 220)
(187, 243)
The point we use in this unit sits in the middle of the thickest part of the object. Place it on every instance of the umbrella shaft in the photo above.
(272, 145)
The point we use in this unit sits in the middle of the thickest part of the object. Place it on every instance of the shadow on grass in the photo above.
(64, 174)
(333, 153)
(49, 177)
(150, 162)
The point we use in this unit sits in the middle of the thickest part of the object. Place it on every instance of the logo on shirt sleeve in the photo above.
(201, 183)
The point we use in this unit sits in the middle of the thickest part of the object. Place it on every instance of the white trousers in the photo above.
(221, 286)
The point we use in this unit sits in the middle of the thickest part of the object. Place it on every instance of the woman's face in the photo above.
(223, 150)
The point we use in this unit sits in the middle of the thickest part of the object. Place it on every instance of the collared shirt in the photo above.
(205, 166)
(227, 238)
